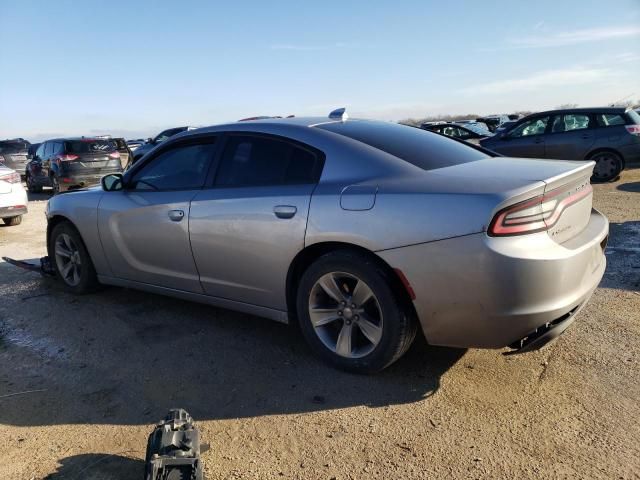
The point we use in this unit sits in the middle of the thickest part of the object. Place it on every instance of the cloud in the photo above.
(574, 37)
(540, 80)
(627, 57)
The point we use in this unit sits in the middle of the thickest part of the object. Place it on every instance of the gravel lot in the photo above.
(99, 370)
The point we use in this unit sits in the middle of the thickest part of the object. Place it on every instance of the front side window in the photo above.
(40, 151)
(253, 161)
(535, 126)
(180, 168)
(569, 122)
(48, 149)
(609, 119)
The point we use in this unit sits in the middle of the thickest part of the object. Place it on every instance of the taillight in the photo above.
(69, 157)
(114, 155)
(633, 129)
(12, 177)
(537, 214)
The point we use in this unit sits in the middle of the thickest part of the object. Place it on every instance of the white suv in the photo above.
(13, 197)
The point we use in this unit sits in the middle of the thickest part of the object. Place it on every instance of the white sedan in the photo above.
(13, 197)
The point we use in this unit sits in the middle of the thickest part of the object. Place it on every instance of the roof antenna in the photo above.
(339, 114)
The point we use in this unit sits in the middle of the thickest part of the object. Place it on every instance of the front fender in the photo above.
(81, 209)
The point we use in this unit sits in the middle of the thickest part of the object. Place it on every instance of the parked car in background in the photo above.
(610, 136)
(469, 132)
(71, 163)
(13, 198)
(357, 230)
(126, 155)
(151, 143)
(505, 126)
(13, 153)
(493, 121)
(31, 152)
(134, 144)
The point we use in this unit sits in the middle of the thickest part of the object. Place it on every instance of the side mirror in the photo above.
(149, 140)
(112, 182)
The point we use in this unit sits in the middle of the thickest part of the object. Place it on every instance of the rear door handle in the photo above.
(285, 211)
(176, 215)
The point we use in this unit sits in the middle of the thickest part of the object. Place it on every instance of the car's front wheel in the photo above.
(71, 260)
(12, 221)
(608, 166)
(350, 314)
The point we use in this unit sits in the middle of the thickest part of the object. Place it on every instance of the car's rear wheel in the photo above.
(12, 221)
(71, 260)
(608, 166)
(55, 184)
(31, 185)
(350, 315)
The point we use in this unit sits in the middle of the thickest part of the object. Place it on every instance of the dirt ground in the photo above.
(83, 379)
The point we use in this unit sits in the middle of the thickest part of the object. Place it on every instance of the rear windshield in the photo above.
(89, 146)
(419, 147)
(13, 147)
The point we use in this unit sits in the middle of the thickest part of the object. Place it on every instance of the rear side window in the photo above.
(89, 146)
(569, 122)
(609, 119)
(253, 161)
(183, 167)
(423, 149)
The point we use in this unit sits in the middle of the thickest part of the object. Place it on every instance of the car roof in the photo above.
(583, 110)
(302, 122)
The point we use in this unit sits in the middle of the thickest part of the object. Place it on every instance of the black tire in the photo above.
(608, 166)
(397, 321)
(12, 221)
(55, 184)
(88, 280)
(30, 185)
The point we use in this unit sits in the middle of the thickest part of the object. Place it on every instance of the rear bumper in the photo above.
(13, 203)
(12, 211)
(70, 181)
(489, 292)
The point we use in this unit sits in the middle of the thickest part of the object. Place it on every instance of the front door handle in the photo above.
(176, 215)
(586, 136)
(285, 211)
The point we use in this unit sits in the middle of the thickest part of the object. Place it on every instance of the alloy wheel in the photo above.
(68, 261)
(345, 315)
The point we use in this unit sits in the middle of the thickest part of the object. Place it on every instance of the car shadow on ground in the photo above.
(629, 187)
(125, 357)
(42, 196)
(623, 257)
(96, 466)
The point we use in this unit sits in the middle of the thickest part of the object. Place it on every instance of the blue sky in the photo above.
(132, 68)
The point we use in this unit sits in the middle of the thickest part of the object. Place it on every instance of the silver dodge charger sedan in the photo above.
(359, 231)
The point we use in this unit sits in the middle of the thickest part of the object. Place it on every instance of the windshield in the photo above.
(419, 147)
